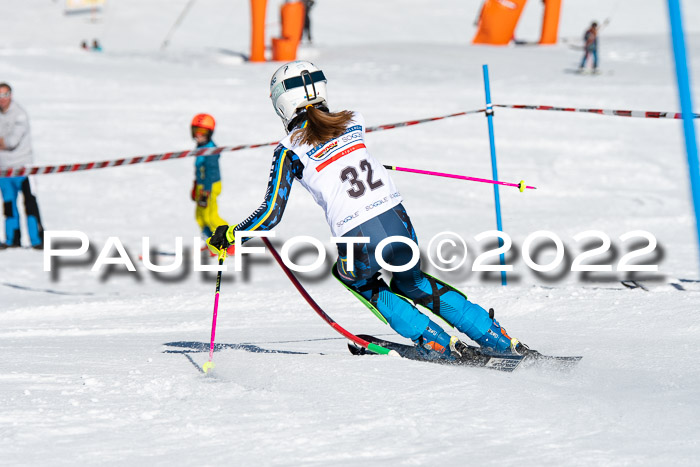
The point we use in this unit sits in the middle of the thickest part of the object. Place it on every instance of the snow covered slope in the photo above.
(103, 367)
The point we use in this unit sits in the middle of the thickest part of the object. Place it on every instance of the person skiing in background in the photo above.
(590, 47)
(326, 152)
(308, 4)
(16, 151)
(207, 183)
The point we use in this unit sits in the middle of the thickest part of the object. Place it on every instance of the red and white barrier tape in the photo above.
(616, 113)
(51, 169)
(423, 120)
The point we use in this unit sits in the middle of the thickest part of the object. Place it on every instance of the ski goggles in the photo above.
(305, 80)
(200, 131)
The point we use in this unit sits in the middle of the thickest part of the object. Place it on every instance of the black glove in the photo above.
(218, 240)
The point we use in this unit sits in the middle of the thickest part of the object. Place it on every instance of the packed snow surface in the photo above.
(104, 367)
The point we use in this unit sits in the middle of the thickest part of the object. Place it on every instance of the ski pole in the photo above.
(521, 186)
(358, 340)
(209, 365)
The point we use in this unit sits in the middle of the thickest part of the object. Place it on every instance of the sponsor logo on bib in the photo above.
(325, 152)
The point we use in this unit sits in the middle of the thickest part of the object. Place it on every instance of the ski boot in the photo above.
(496, 339)
(434, 343)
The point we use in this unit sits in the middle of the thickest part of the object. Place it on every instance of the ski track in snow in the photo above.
(105, 367)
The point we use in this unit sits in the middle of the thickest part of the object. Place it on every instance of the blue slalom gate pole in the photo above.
(494, 166)
(684, 93)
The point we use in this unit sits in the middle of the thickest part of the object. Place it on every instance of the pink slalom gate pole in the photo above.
(213, 321)
(209, 365)
(521, 186)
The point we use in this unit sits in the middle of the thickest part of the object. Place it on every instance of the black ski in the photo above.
(476, 358)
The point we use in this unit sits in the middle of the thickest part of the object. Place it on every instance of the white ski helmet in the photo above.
(294, 86)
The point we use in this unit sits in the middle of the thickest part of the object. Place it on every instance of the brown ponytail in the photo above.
(321, 126)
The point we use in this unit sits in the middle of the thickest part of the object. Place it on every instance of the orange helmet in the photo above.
(204, 121)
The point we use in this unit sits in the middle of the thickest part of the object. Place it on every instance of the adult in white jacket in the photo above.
(16, 151)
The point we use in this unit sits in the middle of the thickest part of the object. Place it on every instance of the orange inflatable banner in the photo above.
(497, 21)
(550, 22)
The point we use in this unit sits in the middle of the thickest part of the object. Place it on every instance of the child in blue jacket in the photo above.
(207, 183)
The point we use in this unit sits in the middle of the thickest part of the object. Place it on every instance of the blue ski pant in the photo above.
(594, 54)
(10, 187)
(448, 303)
